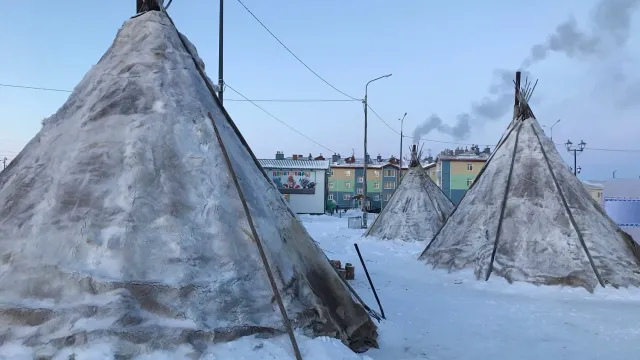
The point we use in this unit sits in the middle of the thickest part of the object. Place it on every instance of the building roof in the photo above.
(593, 184)
(359, 166)
(464, 157)
(294, 164)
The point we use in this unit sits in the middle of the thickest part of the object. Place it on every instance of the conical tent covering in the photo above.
(417, 209)
(120, 222)
(528, 218)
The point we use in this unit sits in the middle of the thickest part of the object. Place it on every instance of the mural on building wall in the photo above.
(291, 180)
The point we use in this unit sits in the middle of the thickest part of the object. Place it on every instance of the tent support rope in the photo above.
(256, 238)
(566, 207)
(504, 205)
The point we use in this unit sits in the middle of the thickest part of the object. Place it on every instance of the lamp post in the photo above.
(364, 177)
(575, 152)
(551, 127)
(220, 52)
(400, 174)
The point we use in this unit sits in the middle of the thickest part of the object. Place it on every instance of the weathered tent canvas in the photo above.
(417, 209)
(528, 218)
(120, 221)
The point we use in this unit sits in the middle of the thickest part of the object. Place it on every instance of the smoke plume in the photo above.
(610, 27)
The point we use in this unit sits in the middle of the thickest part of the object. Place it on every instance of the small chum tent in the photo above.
(139, 217)
(417, 209)
(528, 218)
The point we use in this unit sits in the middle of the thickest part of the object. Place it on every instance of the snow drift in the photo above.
(528, 218)
(120, 222)
(417, 209)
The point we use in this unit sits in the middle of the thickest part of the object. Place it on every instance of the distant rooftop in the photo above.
(465, 156)
(294, 164)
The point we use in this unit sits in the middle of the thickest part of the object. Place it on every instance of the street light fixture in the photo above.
(575, 152)
(364, 177)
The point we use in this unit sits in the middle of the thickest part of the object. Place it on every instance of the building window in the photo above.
(469, 182)
(359, 203)
(347, 185)
(331, 172)
(347, 173)
(389, 185)
(376, 197)
(376, 185)
(330, 185)
(470, 167)
(599, 194)
(376, 173)
(387, 197)
(390, 172)
(330, 197)
(360, 179)
(360, 190)
(346, 197)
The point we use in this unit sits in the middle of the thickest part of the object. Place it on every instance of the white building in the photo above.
(302, 183)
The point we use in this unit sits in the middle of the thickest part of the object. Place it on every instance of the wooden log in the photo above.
(349, 271)
(336, 264)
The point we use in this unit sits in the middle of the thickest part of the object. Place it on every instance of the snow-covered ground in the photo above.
(435, 315)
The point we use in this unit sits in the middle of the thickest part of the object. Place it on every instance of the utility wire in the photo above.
(239, 100)
(278, 120)
(294, 55)
(323, 100)
(294, 100)
(33, 88)
(384, 122)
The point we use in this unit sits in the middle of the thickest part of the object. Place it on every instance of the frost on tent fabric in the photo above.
(528, 218)
(417, 209)
(120, 222)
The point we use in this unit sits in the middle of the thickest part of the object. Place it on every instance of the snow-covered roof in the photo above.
(139, 217)
(593, 184)
(294, 164)
(528, 218)
(464, 157)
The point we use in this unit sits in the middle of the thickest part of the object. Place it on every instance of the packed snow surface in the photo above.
(416, 211)
(432, 314)
(528, 218)
(120, 223)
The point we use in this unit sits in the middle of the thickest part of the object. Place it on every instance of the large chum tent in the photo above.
(417, 209)
(138, 216)
(528, 218)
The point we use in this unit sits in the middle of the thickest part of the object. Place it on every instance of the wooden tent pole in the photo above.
(516, 101)
(139, 6)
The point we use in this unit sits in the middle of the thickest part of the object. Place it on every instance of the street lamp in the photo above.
(551, 127)
(575, 152)
(364, 177)
(400, 175)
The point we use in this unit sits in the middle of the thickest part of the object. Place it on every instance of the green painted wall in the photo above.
(338, 185)
(459, 182)
(371, 186)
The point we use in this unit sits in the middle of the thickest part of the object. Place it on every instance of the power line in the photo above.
(384, 122)
(239, 100)
(295, 100)
(277, 119)
(324, 100)
(294, 55)
(33, 88)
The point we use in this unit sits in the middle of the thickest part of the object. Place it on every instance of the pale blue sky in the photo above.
(442, 55)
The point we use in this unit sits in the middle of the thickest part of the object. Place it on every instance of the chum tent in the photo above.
(528, 218)
(139, 217)
(417, 209)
